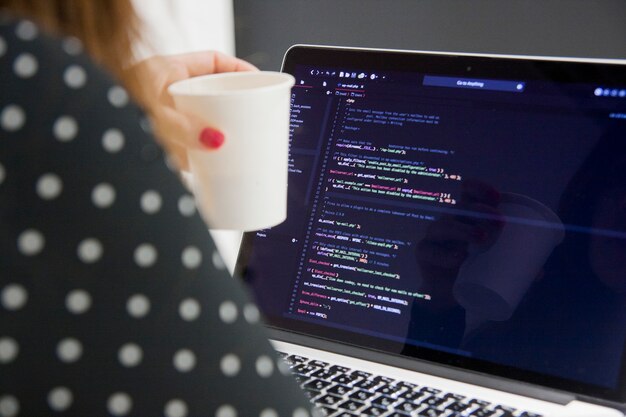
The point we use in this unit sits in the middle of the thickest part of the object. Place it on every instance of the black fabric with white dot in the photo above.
(113, 298)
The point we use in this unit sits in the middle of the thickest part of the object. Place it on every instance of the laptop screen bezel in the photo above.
(480, 66)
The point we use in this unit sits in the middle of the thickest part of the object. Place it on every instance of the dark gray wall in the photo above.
(580, 28)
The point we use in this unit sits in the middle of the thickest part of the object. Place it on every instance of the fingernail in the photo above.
(211, 138)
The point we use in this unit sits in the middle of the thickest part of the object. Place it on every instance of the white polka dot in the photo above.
(117, 96)
(26, 30)
(130, 355)
(230, 365)
(3, 46)
(218, 262)
(226, 410)
(72, 46)
(103, 195)
(89, 250)
(175, 408)
(30, 242)
(189, 309)
(138, 306)
(49, 186)
(145, 255)
(268, 412)
(65, 128)
(2, 174)
(171, 164)
(300, 412)
(25, 65)
(228, 312)
(9, 350)
(78, 301)
(75, 76)
(113, 140)
(184, 360)
(151, 202)
(191, 257)
(251, 313)
(69, 350)
(9, 406)
(264, 366)
(12, 118)
(146, 125)
(119, 404)
(187, 205)
(14, 297)
(60, 399)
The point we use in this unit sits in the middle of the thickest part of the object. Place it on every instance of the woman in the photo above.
(113, 300)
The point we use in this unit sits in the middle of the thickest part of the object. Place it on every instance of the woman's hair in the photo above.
(109, 29)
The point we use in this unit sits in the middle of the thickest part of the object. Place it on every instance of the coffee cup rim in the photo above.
(282, 80)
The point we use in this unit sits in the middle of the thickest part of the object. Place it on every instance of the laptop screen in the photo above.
(465, 210)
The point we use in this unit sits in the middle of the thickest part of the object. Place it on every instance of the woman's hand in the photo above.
(179, 131)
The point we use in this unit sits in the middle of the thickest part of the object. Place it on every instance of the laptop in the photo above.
(455, 243)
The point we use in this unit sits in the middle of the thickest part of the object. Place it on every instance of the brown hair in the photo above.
(107, 28)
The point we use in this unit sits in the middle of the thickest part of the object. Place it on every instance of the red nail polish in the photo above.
(211, 138)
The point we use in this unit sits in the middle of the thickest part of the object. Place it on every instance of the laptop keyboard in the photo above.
(343, 392)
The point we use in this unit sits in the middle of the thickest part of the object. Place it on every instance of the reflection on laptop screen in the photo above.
(475, 219)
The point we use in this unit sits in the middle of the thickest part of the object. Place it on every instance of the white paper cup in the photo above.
(491, 284)
(243, 184)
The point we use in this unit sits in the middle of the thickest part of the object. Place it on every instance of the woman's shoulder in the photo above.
(50, 80)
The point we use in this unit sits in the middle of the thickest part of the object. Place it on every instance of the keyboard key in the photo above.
(319, 364)
(339, 369)
(362, 395)
(411, 395)
(361, 374)
(408, 407)
(479, 403)
(316, 385)
(322, 374)
(304, 368)
(340, 390)
(432, 412)
(374, 411)
(430, 390)
(327, 410)
(408, 385)
(397, 414)
(457, 397)
(529, 414)
(351, 405)
(384, 379)
(344, 414)
(387, 389)
(344, 379)
(366, 384)
(297, 359)
(482, 412)
(384, 401)
(433, 401)
(458, 406)
(510, 410)
(329, 400)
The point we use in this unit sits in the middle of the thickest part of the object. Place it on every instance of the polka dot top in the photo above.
(113, 298)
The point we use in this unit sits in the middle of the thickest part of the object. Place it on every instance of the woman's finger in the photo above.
(187, 130)
(209, 62)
